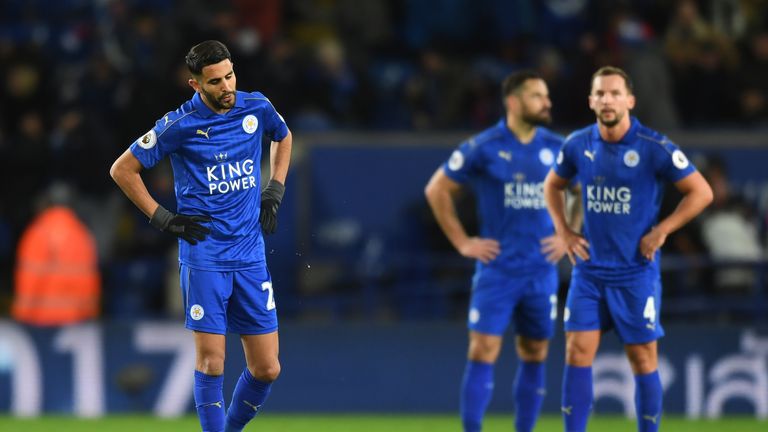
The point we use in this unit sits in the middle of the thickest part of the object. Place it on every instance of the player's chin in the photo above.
(227, 101)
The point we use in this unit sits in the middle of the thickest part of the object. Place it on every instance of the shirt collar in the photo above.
(204, 111)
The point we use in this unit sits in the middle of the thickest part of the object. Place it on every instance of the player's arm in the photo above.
(574, 208)
(126, 172)
(280, 158)
(272, 195)
(441, 192)
(697, 195)
(566, 240)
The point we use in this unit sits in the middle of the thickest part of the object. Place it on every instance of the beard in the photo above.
(609, 122)
(218, 104)
(541, 118)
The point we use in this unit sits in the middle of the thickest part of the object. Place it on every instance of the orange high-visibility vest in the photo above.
(57, 274)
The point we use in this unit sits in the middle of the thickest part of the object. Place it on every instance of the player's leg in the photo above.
(477, 384)
(490, 309)
(209, 380)
(255, 382)
(204, 294)
(534, 318)
(252, 313)
(530, 381)
(648, 391)
(638, 326)
(585, 316)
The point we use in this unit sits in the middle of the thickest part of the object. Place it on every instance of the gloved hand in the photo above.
(271, 197)
(186, 227)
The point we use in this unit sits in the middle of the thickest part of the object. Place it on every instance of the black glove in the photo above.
(271, 197)
(185, 227)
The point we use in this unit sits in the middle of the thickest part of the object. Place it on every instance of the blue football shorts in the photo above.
(223, 302)
(498, 298)
(631, 307)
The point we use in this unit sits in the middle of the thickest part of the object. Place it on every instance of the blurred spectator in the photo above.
(57, 275)
(703, 61)
(730, 233)
(753, 80)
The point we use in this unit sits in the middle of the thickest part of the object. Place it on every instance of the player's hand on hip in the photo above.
(575, 245)
(554, 248)
(188, 228)
(651, 242)
(483, 249)
(271, 197)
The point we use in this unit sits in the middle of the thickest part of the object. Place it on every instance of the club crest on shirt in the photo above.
(546, 156)
(148, 140)
(456, 161)
(250, 123)
(631, 158)
(196, 312)
(679, 159)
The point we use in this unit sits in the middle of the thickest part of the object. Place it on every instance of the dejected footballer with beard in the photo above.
(621, 166)
(214, 144)
(514, 282)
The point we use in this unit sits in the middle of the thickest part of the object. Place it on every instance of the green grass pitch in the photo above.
(367, 423)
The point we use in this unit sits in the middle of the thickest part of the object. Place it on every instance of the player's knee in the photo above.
(642, 361)
(211, 365)
(483, 350)
(532, 350)
(265, 373)
(578, 355)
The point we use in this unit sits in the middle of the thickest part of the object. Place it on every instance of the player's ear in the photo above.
(631, 101)
(511, 102)
(194, 84)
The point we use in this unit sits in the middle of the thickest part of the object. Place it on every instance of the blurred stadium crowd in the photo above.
(81, 79)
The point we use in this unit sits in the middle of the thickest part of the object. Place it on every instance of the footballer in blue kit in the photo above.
(622, 167)
(505, 166)
(214, 145)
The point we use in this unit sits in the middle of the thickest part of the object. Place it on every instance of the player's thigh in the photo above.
(634, 307)
(492, 301)
(205, 295)
(585, 306)
(536, 309)
(252, 306)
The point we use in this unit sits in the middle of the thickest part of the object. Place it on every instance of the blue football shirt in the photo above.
(507, 177)
(216, 161)
(622, 186)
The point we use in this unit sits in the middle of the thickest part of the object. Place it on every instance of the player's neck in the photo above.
(524, 131)
(616, 132)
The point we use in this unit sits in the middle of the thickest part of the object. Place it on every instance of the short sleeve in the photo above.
(157, 143)
(565, 163)
(671, 163)
(460, 167)
(276, 129)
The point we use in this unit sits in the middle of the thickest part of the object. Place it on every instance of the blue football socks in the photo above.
(209, 401)
(577, 397)
(648, 401)
(476, 392)
(248, 397)
(529, 391)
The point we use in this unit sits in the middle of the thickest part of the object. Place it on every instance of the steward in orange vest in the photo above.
(57, 274)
